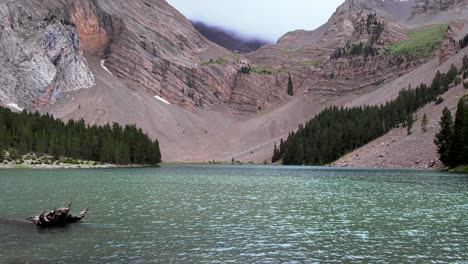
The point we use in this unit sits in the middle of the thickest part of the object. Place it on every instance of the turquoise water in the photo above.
(243, 214)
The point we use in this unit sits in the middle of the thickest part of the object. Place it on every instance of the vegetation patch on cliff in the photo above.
(422, 42)
(309, 63)
(220, 61)
(258, 70)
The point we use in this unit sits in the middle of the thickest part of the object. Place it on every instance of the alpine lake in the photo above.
(238, 214)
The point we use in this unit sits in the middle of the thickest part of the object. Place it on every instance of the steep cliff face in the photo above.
(146, 43)
(90, 24)
(39, 56)
(435, 6)
(151, 44)
(257, 92)
(449, 46)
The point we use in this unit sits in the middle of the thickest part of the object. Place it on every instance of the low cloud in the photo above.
(264, 19)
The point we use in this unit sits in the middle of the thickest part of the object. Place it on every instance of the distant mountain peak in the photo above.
(392, 9)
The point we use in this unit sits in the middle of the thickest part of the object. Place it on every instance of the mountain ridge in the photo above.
(222, 105)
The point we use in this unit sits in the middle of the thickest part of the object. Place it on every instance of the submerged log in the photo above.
(57, 217)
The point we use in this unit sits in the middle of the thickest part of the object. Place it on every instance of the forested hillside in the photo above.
(25, 132)
(337, 131)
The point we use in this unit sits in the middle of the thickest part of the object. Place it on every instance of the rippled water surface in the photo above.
(227, 214)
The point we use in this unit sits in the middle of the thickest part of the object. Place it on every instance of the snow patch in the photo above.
(104, 67)
(162, 99)
(15, 106)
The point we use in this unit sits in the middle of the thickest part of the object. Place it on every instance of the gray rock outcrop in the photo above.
(39, 56)
(435, 6)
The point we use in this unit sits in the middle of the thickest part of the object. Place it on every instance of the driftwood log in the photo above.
(57, 217)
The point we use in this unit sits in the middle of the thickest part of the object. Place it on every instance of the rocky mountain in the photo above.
(306, 54)
(436, 6)
(145, 42)
(142, 62)
(40, 56)
(228, 39)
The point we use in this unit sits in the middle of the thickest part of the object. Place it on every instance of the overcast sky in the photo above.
(267, 19)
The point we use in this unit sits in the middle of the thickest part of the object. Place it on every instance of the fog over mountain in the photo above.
(229, 39)
(263, 19)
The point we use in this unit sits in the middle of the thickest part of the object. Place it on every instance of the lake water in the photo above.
(238, 214)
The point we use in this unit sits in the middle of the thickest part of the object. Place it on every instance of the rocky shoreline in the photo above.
(32, 161)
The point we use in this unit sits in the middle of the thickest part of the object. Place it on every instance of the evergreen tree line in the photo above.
(452, 140)
(337, 131)
(352, 50)
(25, 132)
(465, 70)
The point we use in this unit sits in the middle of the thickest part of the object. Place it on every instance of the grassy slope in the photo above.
(422, 42)
(261, 70)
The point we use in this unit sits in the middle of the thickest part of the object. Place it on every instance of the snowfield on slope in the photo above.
(162, 99)
(104, 67)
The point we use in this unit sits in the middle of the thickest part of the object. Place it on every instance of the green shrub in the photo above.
(439, 100)
(257, 70)
(71, 161)
(422, 42)
(220, 61)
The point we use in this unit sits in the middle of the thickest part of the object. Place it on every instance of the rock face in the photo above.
(435, 6)
(146, 43)
(253, 93)
(89, 24)
(39, 56)
(153, 45)
(449, 46)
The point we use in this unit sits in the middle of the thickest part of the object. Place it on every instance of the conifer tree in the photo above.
(275, 154)
(409, 123)
(458, 145)
(424, 123)
(290, 86)
(444, 137)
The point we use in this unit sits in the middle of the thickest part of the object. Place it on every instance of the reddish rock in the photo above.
(84, 15)
(449, 46)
